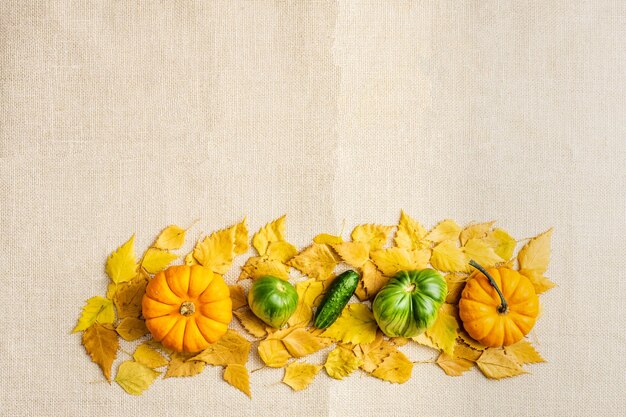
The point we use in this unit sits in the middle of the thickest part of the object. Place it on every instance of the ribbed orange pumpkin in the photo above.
(187, 308)
(498, 316)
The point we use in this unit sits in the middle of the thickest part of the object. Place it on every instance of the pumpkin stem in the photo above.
(504, 306)
(187, 308)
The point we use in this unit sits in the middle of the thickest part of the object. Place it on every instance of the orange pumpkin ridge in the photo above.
(498, 306)
(187, 307)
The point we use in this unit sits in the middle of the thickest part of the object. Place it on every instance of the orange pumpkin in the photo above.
(498, 306)
(187, 308)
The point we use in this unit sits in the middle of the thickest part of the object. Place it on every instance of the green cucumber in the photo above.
(336, 299)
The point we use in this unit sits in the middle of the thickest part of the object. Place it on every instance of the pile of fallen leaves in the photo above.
(353, 342)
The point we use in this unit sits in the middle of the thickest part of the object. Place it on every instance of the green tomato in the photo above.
(273, 300)
(409, 303)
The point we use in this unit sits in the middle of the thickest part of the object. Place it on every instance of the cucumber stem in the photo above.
(504, 306)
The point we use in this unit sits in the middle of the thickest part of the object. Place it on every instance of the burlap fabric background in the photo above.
(118, 118)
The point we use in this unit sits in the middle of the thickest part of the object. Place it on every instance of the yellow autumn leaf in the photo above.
(131, 328)
(355, 325)
(190, 260)
(241, 238)
(456, 284)
(238, 296)
(128, 296)
(523, 352)
(535, 255)
(121, 265)
(395, 368)
(411, 234)
(281, 251)
(475, 231)
(181, 365)
(494, 364)
(481, 252)
(502, 242)
(300, 343)
(443, 331)
(237, 376)
(258, 266)
(393, 260)
(424, 340)
(341, 362)
(300, 375)
(372, 279)
(135, 377)
(217, 251)
(149, 356)
(273, 353)
(172, 237)
(250, 322)
(444, 230)
(448, 257)
(97, 310)
(156, 260)
(327, 239)
(463, 351)
(353, 253)
(309, 296)
(541, 283)
(229, 349)
(453, 366)
(375, 235)
(467, 339)
(101, 343)
(372, 354)
(271, 232)
(317, 261)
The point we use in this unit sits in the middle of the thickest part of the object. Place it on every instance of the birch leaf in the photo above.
(135, 377)
(217, 251)
(395, 368)
(257, 266)
(341, 362)
(229, 349)
(250, 322)
(445, 230)
(535, 255)
(237, 376)
(172, 237)
(149, 356)
(100, 341)
(327, 239)
(375, 235)
(541, 283)
(354, 254)
(309, 296)
(481, 252)
(392, 260)
(448, 257)
(424, 340)
(355, 325)
(443, 331)
(181, 365)
(241, 238)
(300, 343)
(238, 296)
(461, 350)
(411, 234)
(372, 279)
(374, 353)
(453, 366)
(467, 339)
(523, 352)
(456, 284)
(475, 231)
(494, 364)
(156, 260)
(317, 261)
(502, 242)
(273, 353)
(281, 251)
(131, 328)
(271, 232)
(97, 310)
(128, 297)
(121, 265)
(300, 375)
